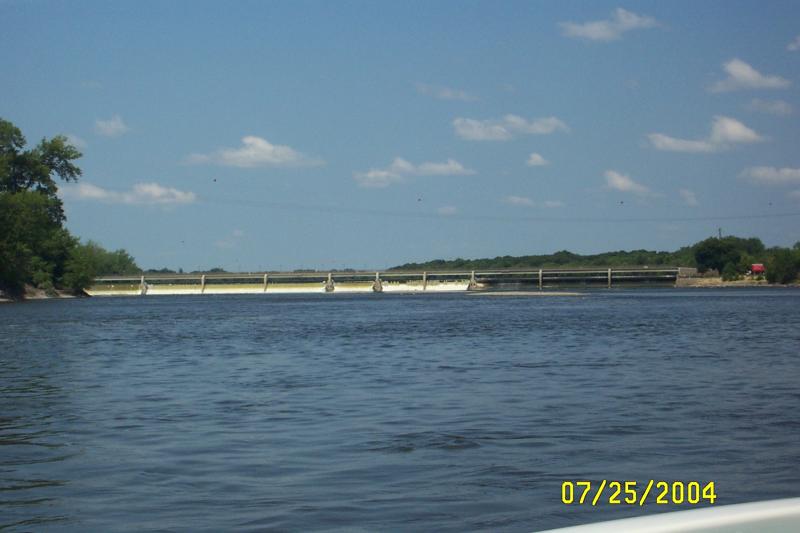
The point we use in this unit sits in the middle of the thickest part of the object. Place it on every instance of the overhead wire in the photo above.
(335, 209)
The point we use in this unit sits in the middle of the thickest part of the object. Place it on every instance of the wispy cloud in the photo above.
(725, 131)
(772, 175)
(519, 200)
(743, 76)
(444, 93)
(794, 46)
(231, 241)
(76, 141)
(447, 210)
(113, 127)
(400, 169)
(506, 128)
(610, 29)
(672, 144)
(689, 197)
(524, 201)
(255, 152)
(536, 160)
(773, 107)
(140, 194)
(624, 183)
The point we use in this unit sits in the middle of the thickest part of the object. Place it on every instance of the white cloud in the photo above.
(477, 130)
(113, 127)
(608, 29)
(447, 210)
(401, 169)
(377, 178)
(725, 131)
(76, 141)
(519, 200)
(505, 128)
(140, 194)
(451, 167)
(743, 76)
(444, 93)
(672, 144)
(536, 160)
(688, 196)
(624, 183)
(773, 107)
(772, 175)
(255, 152)
(523, 201)
(794, 46)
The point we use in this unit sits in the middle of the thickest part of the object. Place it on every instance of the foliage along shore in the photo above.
(40, 258)
(38, 255)
(731, 258)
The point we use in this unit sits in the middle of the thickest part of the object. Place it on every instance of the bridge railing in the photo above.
(476, 279)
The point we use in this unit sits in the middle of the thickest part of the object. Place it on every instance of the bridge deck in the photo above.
(371, 281)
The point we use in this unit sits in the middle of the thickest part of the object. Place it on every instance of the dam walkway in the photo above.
(390, 281)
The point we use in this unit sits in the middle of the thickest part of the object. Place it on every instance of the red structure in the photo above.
(757, 268)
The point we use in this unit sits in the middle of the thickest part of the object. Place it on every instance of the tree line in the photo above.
(35, 247)
(731, 257)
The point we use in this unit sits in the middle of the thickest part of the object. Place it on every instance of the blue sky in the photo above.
(277, 135)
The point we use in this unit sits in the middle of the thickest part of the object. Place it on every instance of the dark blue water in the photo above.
(428, 413)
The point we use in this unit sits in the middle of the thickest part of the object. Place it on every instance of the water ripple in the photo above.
(446, 413)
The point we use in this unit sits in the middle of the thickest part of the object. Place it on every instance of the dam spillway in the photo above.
(390, 281)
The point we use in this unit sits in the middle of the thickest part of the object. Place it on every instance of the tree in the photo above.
(730, 272)
(714, 253)
(783, 266)
(87, 261)
(33, 170)
(34, 245)
(80, 269)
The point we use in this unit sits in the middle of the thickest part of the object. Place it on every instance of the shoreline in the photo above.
(31, 293)
(717, 282)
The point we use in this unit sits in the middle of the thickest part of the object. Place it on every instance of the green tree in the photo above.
(87, 261)
(33, 169)
(714, 253)
(783, 266)
(80, 269)
(34, 245)
(106, 263)
(730, 272)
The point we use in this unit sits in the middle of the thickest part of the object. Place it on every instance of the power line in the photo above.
(332, 209)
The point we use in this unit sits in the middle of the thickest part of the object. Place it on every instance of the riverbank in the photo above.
(712, 282)
(32, 293)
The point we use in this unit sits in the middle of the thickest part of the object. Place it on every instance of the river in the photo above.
(389, 412)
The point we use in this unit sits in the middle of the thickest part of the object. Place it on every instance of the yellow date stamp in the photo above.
(605, 491)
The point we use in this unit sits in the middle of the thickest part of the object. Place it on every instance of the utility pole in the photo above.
(719, 230)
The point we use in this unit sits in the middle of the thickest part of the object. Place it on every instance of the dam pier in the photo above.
(390, 281)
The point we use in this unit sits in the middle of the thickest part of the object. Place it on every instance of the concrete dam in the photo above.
(378, 282)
